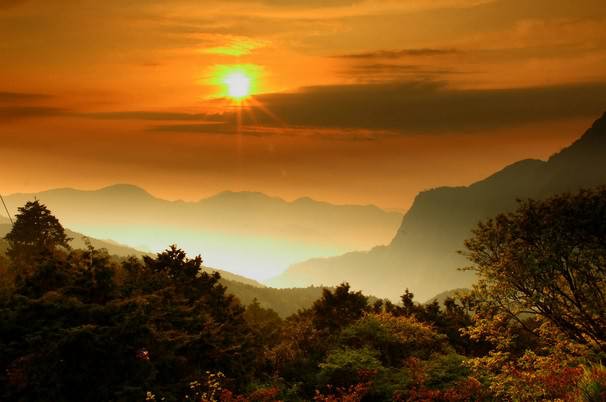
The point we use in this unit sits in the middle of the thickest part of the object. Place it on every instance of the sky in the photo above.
(351, 102)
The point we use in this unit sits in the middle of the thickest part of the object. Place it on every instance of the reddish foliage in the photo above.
(469, 389)
(261, 395)
(353, 393)
(265, 395)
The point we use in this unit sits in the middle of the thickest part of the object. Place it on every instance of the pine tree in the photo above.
(36, 232)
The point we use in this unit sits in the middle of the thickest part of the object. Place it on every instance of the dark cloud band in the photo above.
(433, 107)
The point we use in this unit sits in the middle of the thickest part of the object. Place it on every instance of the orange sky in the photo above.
(367, 101)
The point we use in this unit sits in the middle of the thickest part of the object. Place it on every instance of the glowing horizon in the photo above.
(349, 102)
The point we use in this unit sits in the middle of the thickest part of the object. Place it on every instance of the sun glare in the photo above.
(235, 81)
(238, 85)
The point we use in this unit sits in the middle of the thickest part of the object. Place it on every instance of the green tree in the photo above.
(345, 367)
(36, 232)
(90, 329)
(174, 263)
(339, 308)
(265, 323)
(395, 338)
(547, 259)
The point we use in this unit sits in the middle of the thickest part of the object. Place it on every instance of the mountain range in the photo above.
(423, 254)
(78, 240)
(247, 233)
(283, 301)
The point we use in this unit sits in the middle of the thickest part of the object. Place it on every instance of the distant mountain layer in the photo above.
(284, 301)
(423, 255)
(79, 241)
(249, 233)
(239, 279)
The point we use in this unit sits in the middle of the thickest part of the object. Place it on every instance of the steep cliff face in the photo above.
(423, 255)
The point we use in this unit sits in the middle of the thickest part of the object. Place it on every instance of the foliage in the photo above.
(353, 393)
(82, 325)
(162, 324)
(395, 338)
(344, 367)
(266, 324)
(35, 233)
(592, 386)
(266, 327)
(338, 308)
(547, 258)
(284, 301)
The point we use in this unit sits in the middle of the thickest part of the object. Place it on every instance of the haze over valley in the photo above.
(307, 242)
(251, 234)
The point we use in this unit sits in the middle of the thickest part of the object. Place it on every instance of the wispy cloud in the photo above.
(385, 72)
(151, 115)
(21, 97)
(237, 47)
(398, 54)
(26, 105)
(11, 3)
(11, 113)
(203, 128)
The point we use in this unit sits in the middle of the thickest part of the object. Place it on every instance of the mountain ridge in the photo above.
(284, 301)
(423, 254)
(249, 233)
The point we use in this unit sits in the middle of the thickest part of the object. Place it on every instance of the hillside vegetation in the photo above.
(80, 325)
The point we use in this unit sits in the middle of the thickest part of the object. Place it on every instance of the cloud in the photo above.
(306, 3)
(151, 115)
(226, 128)
(11, 3)
(384, 72)
(20, 97)
(10, 113)
(231, 128)
(201, 128)
(431, 107)
(413, 64)
(398, 54)
(412, 107)
(237, 47)
(25, 105)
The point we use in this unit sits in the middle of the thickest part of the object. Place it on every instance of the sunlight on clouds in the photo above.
(237, 47)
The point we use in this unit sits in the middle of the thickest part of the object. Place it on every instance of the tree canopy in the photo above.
(36, 231)
(84, 325)
(548, 258)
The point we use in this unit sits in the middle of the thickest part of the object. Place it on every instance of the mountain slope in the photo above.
(284, 301)
(423, 255)
(249, 233)
(79, 240)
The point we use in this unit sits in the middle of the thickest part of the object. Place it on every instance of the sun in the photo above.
(237, 82)
(238, 85)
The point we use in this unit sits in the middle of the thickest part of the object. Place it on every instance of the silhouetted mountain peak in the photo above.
(124, 190)
(597, 132)
(304, 200)
(599, 125)
(517, 174)
(590, 146)
(240, 196)
(423, 254)
(519, 166)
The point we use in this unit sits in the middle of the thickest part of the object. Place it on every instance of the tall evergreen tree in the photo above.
(36, 232)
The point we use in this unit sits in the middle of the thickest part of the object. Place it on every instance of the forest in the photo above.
(82, 325)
